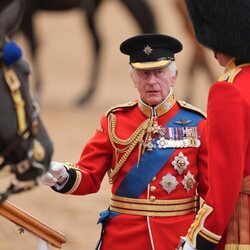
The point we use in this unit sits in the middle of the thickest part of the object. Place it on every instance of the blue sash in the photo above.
(151, 162)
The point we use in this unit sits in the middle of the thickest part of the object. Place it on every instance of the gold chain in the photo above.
(130, 143)
(125, 142)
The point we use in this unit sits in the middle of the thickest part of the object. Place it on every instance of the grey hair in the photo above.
(172, 68)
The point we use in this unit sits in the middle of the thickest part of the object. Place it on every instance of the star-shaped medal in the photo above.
(169, 183)
(180, 162)
(188, 181)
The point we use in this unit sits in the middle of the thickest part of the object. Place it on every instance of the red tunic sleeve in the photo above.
(86, 175)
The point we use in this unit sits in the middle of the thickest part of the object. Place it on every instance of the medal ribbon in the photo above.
(151, 162)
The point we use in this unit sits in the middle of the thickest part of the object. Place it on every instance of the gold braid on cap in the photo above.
(128, 144)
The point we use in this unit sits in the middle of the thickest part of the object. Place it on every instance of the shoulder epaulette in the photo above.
(117, 107)
(191, 107)
(230, 75)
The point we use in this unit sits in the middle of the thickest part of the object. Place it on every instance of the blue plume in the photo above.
(11, 53)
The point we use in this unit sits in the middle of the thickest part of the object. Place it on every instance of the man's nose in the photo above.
(151, 78)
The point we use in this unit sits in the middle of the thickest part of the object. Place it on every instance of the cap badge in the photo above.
(148, 50)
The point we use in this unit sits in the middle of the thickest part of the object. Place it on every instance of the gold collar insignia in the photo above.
(160, 109)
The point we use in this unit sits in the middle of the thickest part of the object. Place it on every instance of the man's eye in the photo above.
(159, 71)
(144, 73)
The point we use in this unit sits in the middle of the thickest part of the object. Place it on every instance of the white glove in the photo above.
(57, 174)
(188, 247)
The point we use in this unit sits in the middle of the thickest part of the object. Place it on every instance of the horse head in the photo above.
(24, 143)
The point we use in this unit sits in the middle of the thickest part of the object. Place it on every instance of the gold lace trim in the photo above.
(128, 144)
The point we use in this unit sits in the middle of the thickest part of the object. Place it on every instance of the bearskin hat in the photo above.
(222, 25)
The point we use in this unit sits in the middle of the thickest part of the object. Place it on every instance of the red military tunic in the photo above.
(228, 165)
(156, 216)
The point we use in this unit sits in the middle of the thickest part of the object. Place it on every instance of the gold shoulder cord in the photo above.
(129, 143)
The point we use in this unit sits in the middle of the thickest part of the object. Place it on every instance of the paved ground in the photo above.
(64, 62)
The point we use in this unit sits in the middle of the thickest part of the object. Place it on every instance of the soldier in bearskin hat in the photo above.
(223, 221)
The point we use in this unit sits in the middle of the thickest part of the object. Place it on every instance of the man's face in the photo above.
(153, 85)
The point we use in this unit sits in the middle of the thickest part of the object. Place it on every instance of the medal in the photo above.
(170, 144)
(180, 162)
(188, 181)
(186, 143)
(198, 143)
(169, 183)
(149, 144)
(162, 142)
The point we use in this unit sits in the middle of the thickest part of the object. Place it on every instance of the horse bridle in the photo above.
(26, 131)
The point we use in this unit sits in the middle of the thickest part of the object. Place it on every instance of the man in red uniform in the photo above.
(223, 221)
(153, 150)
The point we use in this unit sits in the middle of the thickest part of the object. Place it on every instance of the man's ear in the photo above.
(173, 78)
